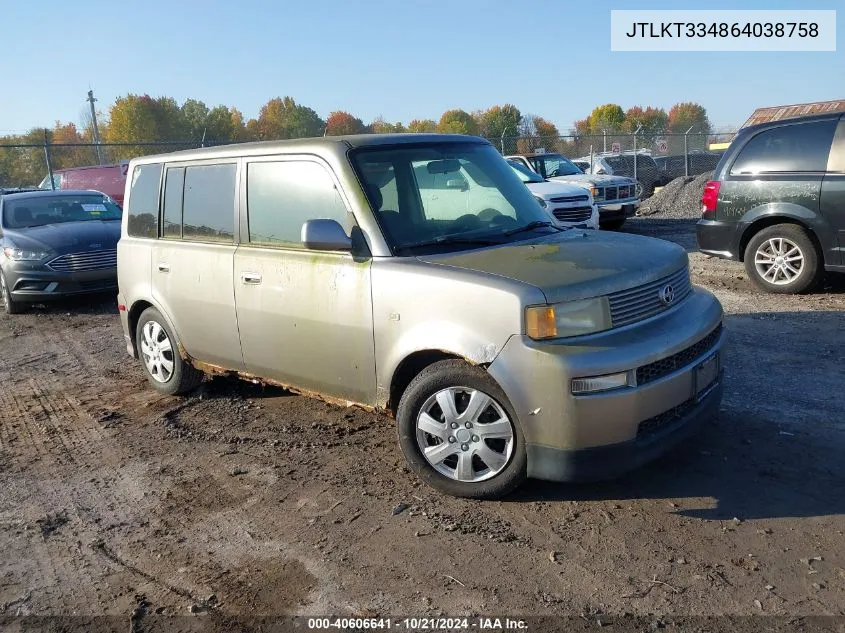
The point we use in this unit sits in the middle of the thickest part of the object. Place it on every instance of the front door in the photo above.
(305, 316)
(192, 262)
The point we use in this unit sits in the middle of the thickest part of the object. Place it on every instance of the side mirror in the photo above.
(600, 171)
(325, 235)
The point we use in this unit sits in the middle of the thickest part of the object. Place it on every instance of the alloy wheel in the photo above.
(464, 434)
(779, 261)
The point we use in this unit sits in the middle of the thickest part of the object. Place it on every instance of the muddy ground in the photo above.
(241, 500)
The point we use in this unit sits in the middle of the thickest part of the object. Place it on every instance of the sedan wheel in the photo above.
(464, 434)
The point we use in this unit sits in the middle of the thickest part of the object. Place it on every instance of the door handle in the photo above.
(165, 268)
(251, 278)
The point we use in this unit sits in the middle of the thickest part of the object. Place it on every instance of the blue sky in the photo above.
(396, 59)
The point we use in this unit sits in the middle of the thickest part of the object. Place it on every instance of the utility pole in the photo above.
(91, 100)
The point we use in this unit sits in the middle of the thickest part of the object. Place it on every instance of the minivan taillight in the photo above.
(710, 197)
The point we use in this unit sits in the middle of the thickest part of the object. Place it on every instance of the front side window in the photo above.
(143, 201)
(447, 196)
(801, 147)
(43, 210)
(283, 195)
(208, 203)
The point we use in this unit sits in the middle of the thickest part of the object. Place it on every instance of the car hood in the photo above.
(585, 180)
(575, 264)
(67, 237)
(554, 189)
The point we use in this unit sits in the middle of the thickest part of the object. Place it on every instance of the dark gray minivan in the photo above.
(777, 202)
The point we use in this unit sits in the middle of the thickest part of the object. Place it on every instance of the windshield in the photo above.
(446, 196)
(43, 210)
(557, 165)
(525, 174)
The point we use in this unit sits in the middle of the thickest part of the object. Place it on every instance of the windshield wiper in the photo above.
(536, 224)
(449, 239)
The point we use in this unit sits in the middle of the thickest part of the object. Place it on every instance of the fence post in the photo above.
(686, 152)
(591, 158)
(604, 134)
(503, 141)
(47, 158)
(639, 127)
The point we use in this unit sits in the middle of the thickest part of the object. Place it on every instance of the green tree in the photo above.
(500, 121)
(420, 126)
(195, 119)
(142, 119)
(687, 114)
(457, 121)
(380, 126)
(239, 133)
(340, 123)
(219, 124)
(535, 132)
(609, 116)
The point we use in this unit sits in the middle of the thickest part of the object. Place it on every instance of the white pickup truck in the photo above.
(615, 196)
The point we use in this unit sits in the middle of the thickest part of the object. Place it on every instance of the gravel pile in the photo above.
(680, 199)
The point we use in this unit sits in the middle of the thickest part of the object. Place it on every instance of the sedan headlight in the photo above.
(570, 318)
(24, 255)
(541, 201)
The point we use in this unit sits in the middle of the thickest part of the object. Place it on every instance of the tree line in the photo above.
(137, 120)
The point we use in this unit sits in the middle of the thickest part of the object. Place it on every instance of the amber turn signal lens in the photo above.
(540, 322)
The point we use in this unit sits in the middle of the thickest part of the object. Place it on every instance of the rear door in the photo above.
(832, 202)
(193, 260)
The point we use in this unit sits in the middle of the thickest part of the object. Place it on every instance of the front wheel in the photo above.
(783, 259)
(611, 225)
(459, 433)
(158, 349)
(11, 306)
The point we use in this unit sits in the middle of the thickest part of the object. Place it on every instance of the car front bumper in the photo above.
(618, 210)
(603, 434)
(31, 283)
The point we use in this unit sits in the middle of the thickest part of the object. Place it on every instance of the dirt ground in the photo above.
(240, 500)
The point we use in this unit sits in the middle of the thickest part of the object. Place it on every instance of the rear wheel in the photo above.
(11, 306)
(783, 259)
(459, 433)
(158, 349)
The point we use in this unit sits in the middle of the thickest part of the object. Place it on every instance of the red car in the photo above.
(108, 179)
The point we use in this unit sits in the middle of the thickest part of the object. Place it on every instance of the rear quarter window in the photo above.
(800, 147)
(142, 213)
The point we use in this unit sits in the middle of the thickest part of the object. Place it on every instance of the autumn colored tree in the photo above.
(535, 132)
(653, 121)
(282, 118)
(609, 116)
(340, 123)
(239, 133)
(499, 121)
(71, 156)
(457, 121)
(380, 126)
(142, 119)
(687, 114)
(420, 126)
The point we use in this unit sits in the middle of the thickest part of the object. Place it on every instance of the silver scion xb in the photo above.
(361, 270)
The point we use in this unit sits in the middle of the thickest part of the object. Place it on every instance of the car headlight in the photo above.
(607, 382)
(541, 201)
(570, 318)
(597, 192)
(24, 255)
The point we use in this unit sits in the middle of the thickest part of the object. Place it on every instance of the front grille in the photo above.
(636, 304)
(579, 214)
(667, 418)
(625, 191)
(665, 366)
(82, 262)
(564, 199)
(610, 193)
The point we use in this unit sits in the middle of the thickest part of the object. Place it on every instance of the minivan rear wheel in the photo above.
(783, 259)
(459, 433)
(158, 350)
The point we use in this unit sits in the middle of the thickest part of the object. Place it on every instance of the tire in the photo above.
(162, 364)
(767, 268)
(11, 307)
(461, 471)
(611, 225)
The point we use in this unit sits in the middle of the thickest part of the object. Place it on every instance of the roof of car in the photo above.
(49, 193)
(339, 144)
(84, 167)
(789, 120)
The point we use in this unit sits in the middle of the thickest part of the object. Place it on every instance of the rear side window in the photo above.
(208, 206)
(143, 201)
(802, 147)
(283, 195)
